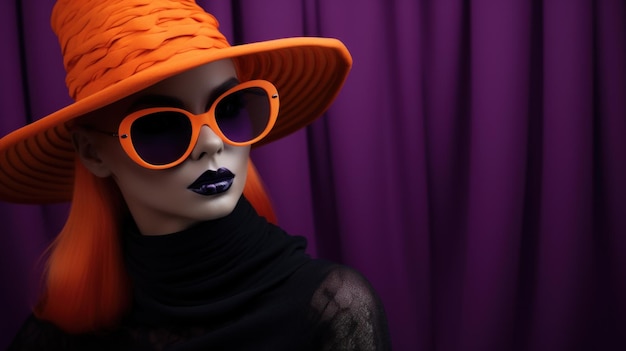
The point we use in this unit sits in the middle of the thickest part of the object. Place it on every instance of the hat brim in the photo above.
(38, 159)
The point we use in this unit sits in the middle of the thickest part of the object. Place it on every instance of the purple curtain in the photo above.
(473, 168)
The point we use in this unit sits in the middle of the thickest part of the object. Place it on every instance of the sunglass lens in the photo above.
(244, 114)
(161, 137)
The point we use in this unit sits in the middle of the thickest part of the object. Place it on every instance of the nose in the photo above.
(208, 144)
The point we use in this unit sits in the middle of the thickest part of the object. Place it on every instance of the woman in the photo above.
(161, 250)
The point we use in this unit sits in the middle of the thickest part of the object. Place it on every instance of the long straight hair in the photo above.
(86, 287)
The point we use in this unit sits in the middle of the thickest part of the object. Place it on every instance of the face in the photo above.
(201, 187)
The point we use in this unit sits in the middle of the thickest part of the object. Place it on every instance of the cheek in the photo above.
(123, 169)
(236, 160)
(241, 159)
(111, 152)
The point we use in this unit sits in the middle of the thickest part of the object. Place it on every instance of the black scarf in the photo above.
(210, 273)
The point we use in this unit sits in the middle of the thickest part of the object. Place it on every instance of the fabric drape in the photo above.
(473, 168)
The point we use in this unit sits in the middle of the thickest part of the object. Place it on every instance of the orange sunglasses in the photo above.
(163, 137)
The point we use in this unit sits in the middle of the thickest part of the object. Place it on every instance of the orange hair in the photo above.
(254, 191)
(86, 285)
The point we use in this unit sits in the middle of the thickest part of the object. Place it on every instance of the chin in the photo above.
(220, 205)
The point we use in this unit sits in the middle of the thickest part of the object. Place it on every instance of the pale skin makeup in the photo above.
(159, 200)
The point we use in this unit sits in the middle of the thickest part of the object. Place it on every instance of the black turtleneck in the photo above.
(212, 272)
(235, 283)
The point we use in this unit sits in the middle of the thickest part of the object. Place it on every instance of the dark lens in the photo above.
(244, 114)
(161, 137)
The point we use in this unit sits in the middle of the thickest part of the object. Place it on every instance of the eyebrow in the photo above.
(158, 100)
(221, 89)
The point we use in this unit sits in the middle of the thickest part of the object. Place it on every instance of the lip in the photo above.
(213, 182)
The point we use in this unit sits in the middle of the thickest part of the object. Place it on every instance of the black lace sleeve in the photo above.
(349, 314)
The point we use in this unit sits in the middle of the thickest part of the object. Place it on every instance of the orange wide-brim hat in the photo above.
(114, 48)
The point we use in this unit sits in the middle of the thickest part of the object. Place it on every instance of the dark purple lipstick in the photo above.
(213, 182)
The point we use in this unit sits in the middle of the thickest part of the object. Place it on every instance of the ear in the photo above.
(87, 151)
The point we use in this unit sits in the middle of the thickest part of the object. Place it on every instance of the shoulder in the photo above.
(348, 312)
(345, 287)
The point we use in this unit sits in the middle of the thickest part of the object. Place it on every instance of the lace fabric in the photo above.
(348, 314)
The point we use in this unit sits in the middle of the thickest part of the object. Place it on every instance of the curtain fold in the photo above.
(473, 168)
